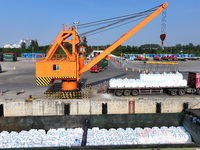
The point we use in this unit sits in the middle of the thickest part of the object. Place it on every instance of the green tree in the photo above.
(68, 46)
(23, 46)
(34, 44)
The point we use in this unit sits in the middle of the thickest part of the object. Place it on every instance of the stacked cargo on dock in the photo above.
(9, 57)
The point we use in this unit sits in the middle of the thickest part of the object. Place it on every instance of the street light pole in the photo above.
(76, 22)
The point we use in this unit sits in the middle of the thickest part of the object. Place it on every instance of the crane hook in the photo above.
(162, 37)
(163, 25)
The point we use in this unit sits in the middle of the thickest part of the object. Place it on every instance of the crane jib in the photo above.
(123, 38)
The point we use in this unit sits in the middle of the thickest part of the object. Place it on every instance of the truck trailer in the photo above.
(172, 84)
(100, 66)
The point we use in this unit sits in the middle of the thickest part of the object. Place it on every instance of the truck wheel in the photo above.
(173, 92)
(135, 92)
(127, 92)
(181, 92)
(118, 92)
(198, 91)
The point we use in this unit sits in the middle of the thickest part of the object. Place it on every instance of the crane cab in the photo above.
(82, 56)
(82, 51)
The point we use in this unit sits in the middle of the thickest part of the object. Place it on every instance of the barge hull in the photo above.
(107, 122)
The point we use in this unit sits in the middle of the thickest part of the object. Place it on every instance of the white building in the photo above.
(96, 52)
(26, 41)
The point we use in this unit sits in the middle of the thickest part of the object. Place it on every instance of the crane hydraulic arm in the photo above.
(123, 38)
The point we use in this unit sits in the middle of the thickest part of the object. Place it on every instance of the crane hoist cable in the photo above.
(113, 21)
(111, 24)
(115, 18)
(163, 26)
(115, 26)
(100, 23)
(106, 26)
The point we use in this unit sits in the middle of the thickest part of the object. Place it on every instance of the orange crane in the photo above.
(70, 69)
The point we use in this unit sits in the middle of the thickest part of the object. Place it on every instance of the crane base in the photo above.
(55, 92)
(69, 85)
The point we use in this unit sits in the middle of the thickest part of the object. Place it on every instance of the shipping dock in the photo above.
(29, 109)
(63, 101)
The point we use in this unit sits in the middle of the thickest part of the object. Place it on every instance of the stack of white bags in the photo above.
(150, 80)
(155, 135)
(39, 138)
(96, 137)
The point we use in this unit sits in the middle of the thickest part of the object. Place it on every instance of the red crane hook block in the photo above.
(162, 37)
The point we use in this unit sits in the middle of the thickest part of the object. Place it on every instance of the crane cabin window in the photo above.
(81, 55)
(56, 67)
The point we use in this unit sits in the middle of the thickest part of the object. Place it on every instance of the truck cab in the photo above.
(194, 80)
(100, 66)
(95, 68)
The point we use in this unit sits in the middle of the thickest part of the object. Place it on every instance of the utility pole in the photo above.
(171, 50)
(32, 53)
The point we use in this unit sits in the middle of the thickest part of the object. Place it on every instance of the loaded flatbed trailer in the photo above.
(192, 86)
(181, 90)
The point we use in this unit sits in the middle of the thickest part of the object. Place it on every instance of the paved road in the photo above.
(13, 80)
(116, 70)
(17, 76)
(184, 66)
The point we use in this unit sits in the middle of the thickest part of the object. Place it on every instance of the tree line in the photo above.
(146, 48)
(151, 49)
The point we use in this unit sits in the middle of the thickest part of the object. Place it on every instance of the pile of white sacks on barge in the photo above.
(129, 136)
(39, 138)
(150, 80)
(96, 137)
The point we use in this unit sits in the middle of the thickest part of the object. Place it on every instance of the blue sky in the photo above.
(42, 19)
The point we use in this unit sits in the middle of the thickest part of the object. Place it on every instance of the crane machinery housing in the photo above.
(71, 67)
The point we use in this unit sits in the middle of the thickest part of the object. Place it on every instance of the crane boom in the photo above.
(123, 38)
(69, 68)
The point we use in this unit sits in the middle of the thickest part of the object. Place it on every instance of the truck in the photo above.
(100, 66)
(169, 57)
(141, 57)
(156, 58)
(158, 85)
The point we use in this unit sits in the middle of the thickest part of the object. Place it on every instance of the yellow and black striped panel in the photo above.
(44, 81)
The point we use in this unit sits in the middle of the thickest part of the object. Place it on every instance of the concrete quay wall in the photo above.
(95, 106)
